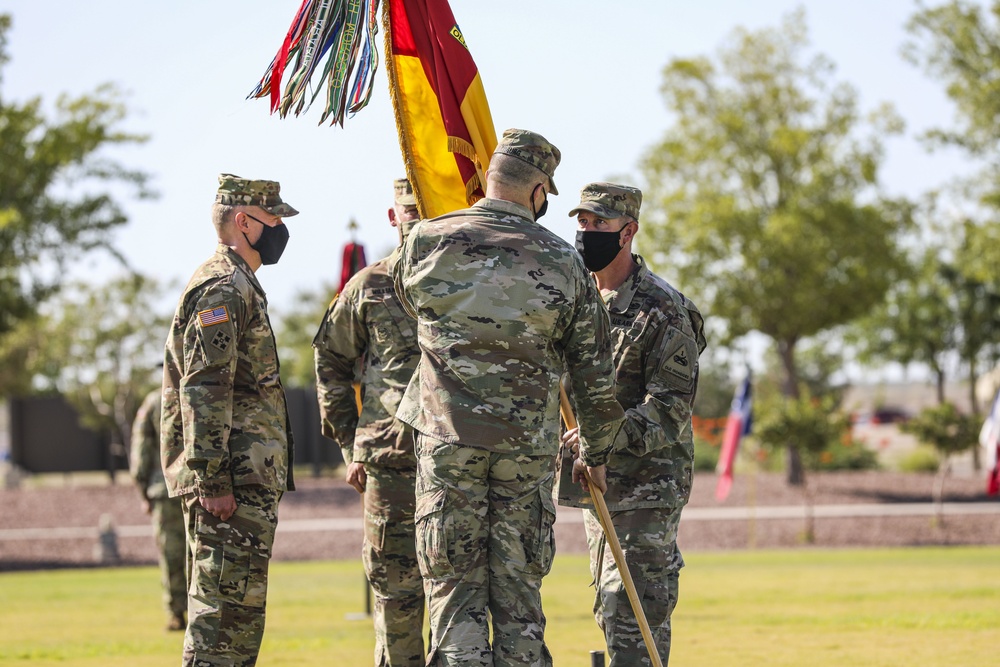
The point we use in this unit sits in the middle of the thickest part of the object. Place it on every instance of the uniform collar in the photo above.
(619, 300)
(505, 206)
(232, 256)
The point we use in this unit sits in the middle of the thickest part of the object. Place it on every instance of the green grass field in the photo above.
(816, 608)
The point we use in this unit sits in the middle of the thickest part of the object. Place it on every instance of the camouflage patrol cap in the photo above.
(236, 191)
(533, 149)
(403, 192)
(609, 200)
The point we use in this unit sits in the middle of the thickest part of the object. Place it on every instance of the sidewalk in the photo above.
(567, 515)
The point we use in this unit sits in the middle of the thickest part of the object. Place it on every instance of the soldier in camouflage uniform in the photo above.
(502, 305)
(366, 324)
(166, 512)
(658, 336)
(226, 445)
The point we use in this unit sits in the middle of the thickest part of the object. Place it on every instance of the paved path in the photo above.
(569, 515)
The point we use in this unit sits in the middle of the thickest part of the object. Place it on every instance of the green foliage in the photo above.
(915, 324)
(706, 455)
(921, 459)
(763, 198)
(296, 329)
(811, 425)
(959, 43)
(944, 428)
(845, 455)
(762, 195)
(715, 391)
(55, 203)
(98, 345)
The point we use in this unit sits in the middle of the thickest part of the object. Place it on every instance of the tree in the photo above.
(916, 323)
(99, 346)
(763, 198)
(53, 202)
(949, 432)
(809, 424)
(960, 44)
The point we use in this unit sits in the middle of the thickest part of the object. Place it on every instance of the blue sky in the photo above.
(584, 73)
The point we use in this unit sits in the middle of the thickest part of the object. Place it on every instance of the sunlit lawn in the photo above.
(814, 608)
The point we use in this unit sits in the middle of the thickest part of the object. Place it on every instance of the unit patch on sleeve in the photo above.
(221, 340)
(213, 316)
(679, 362)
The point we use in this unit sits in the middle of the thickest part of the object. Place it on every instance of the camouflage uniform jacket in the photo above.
(367, 323)
(659, 335)
(503, 304)
(225, 421)
(144, 462)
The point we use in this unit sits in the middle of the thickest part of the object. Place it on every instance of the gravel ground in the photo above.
(70, 502)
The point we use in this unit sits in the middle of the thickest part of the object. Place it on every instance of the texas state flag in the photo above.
(737, 425)
(989, 439)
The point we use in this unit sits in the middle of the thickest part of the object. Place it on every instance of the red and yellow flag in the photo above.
(445, 128)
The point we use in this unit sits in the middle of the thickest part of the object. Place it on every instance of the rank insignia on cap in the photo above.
(213, 316)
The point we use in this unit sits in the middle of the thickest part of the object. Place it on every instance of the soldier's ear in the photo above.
(629, 231)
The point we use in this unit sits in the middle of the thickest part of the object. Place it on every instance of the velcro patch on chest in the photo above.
(382, 332)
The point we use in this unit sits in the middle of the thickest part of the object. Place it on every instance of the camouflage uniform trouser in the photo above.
(390, 557)
(649, 539)
(484, 542)
(171, 550)
(228, 590)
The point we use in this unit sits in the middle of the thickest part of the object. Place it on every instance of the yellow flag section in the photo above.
(446, 132)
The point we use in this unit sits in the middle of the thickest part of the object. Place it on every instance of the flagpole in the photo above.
(752, 506)
(612, 538)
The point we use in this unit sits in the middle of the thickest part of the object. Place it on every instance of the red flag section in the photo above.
(354, 261)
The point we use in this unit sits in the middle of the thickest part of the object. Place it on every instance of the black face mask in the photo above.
(598, 248)
(271, 243)
(541, 209)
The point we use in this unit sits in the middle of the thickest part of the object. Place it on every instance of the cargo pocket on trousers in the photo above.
(540, 547)
(434, 535)
(371, 550)
(222, 569)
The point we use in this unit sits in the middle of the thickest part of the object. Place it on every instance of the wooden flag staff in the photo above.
(612, 539)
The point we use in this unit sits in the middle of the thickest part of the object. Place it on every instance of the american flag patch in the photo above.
(213, 316)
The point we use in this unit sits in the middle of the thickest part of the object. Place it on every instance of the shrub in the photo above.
(706, 456)
(921, 459)
(849, 455)
(707, 442)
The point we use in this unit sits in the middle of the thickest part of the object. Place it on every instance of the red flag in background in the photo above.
(354, 261)
(738, 425)
(445, 128)
(989, 440)
(354, 257)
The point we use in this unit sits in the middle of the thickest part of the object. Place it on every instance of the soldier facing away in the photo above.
(226, 443)
(366, 325)
(502, 306)
(658, 336)
(167, 513)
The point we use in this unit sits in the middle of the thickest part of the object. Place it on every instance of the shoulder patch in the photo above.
(678, 364)
(213, 316)
(221, 340)
(678, 367)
